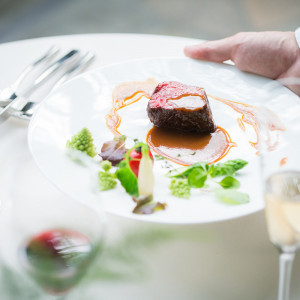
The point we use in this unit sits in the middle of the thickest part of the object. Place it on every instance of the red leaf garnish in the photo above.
(114, 150)
(149, 208)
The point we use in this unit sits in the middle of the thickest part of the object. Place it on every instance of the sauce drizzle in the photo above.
(248, 113)
(255, 116)
(124, 95)
(188, 148)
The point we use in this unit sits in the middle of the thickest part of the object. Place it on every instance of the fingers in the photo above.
(217, 51)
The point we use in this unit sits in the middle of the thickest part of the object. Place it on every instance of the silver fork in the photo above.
(19, 105)
(25, 111)
(9, 94)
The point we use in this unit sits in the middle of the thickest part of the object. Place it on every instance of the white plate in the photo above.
(85, 100)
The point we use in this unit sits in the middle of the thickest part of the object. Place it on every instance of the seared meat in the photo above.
(180, 107)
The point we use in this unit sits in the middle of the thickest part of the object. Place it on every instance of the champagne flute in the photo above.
(47, 235)
(281, 176)
(282, 196)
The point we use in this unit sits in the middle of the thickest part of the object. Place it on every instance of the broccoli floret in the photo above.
(106, 165)
(180, 188)
(83, 142)
(106, 181)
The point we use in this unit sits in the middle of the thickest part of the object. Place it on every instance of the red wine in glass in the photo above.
(57, 259)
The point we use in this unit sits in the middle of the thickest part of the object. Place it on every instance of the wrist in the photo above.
(291, 77)
(297, 36)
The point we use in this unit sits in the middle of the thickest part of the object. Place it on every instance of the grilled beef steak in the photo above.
(181, 107)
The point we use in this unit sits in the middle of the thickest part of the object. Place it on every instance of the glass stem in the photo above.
(285, 270)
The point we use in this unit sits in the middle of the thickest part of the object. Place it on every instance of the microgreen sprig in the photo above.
(199, 174)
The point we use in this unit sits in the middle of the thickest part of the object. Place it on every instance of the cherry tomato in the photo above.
(135, 158)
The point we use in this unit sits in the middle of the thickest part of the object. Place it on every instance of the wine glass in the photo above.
(45, 234)
(280, 164)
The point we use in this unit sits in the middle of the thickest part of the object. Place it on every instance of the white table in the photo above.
(227, 260)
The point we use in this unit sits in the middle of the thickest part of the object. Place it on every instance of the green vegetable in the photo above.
(159, 157)
(139, 187)
(83, 142)
(180, 188)
(106, 165)
(106, 181)
(143, 185)
(184, 172)
(145, 174)
(228, 168)
(229, 182)
(127, 178)
(197, 177)
(231, 196)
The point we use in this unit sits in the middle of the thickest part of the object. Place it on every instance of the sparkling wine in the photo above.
(57, 259)
(283, 209)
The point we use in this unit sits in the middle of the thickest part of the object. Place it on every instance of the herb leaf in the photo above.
(197, 177)
(184, 172)
(231, 196)
(229, 182)
(143, 184)
(227, 168)
(127, 179)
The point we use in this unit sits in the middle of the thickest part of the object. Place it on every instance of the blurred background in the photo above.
(204, 19)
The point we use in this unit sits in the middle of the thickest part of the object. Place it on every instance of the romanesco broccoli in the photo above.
(180, 188)
(84, 142)
(106, 181)
(106, 165)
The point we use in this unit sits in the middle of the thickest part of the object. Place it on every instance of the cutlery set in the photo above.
(15, 100)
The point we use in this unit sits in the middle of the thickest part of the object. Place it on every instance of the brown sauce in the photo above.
(186, 148)
(125, 94)
(189, 148)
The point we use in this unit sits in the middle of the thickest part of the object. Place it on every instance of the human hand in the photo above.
(272, 54)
